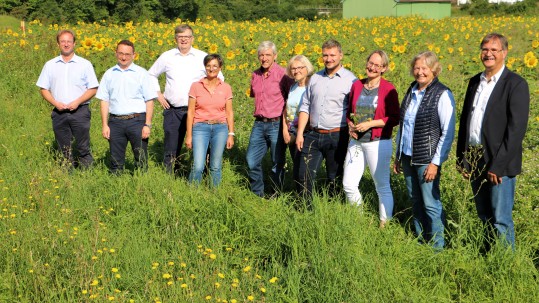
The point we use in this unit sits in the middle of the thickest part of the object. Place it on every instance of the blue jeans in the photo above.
(426, 204)
(494, 205)
(214, 136)
(266, 135)
(316, 147)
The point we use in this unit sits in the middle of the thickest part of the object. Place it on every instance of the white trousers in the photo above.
(377, 154)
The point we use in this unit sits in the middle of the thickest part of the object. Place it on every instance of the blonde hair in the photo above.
(304, 60)
(383, 55)
(430, 59)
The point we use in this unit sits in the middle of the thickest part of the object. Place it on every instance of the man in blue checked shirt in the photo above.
(126, 95)
(68, 82)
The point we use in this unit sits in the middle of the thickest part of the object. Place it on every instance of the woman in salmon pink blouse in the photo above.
(210, 121)
(373, 112)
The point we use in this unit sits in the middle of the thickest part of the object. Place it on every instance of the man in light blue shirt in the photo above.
(324, 105)
(126, 95)
(68, 82)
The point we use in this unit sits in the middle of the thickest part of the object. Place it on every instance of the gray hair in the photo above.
(494, 36)
(264, 45)
(182, 28)
(430, 59)
(304, 60)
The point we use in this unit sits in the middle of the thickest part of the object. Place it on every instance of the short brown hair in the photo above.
(331, 43)
(65, 31)
(210, 57)
(126, 42)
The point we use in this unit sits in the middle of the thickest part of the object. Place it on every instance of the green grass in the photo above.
(171, 242)
(9, 22)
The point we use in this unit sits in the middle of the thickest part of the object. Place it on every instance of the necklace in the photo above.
(368, 85)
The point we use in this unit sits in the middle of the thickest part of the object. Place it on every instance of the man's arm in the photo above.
(149, 115)
(88, 94)
(303, 118)
(105, 131)
(517, 121)
(47, 95)
(157, 69)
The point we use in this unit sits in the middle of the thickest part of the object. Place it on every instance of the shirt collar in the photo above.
(189, 53)
(202, 81)
(494, 78)
(130, 68)
(75, 58)
(271, 68)
(337, 73)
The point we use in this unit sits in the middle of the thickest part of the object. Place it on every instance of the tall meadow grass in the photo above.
(87, 236)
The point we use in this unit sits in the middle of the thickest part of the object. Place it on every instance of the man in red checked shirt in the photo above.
(269, 88)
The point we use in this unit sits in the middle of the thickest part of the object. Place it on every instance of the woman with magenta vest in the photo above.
(426, 131)
(372, 113)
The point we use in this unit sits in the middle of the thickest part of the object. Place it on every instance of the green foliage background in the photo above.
(160, 10)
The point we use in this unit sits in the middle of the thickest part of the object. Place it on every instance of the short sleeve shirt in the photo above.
(127, 91)
(270, 91)
(67, 80)
(210, 106)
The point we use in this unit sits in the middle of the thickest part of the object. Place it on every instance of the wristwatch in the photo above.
(149, 126)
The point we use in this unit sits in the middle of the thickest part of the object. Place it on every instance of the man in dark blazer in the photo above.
(492, 127)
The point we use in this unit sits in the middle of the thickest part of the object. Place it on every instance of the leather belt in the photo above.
(126, 117)
(262, 119)
(327, 131)
(213, 122)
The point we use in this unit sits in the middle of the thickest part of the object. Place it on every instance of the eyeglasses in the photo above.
(297, 68)
(491, 50)
(376, 66)
(212, 67)
(183, 37)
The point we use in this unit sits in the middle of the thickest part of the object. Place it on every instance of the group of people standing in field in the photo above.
(326, 115)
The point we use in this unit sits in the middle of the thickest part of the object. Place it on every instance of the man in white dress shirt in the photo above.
(182, 66)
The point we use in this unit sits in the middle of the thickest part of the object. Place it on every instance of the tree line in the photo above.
(71, 11)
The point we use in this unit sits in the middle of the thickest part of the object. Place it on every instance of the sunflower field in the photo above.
(86, 236)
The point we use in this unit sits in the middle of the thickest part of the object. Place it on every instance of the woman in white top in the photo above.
(300, 69)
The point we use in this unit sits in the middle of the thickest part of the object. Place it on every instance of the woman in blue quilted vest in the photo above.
(426, 132)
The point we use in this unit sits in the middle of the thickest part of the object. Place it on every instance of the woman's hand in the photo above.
(189, 142)
(430, 173)
(229, 142)
(286, 137)
(351, 130)
(363, 126)
(397, 167)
